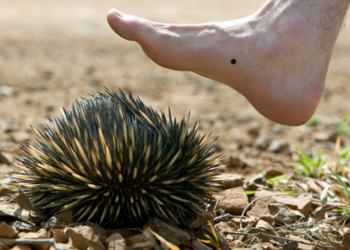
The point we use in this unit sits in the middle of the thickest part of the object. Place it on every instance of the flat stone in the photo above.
(261, 207)
(229, 180)
(232, 200)
(279, 146)
(84, 237)
(263, 142)
(273, 172)
(41, 234)
(303, 204)
(21, 136)
(7, 231)
(6, 91)
(116, 242)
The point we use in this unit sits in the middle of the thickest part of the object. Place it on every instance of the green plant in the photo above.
(343, 189)
(341, 164)
(314, 121)
(211, 239)
(343, 126)
(313, 166)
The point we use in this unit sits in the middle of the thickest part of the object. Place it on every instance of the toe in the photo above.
(122, 24)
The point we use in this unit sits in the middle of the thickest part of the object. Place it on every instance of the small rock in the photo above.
(231, 180)
(273, 172)
(22, 226)
(346, 236)
(6, 91)
(59, 235)
(255, 181)
(21, 137)
(171, 233)
(116, 242)
(254, 129)
(41, 234)
(325, 136)
(279, 147)
(3, 127)
(50, 108)
(7, 231)
(84, 237)
(232, 200)
(224, 228)
(261, 207)
(283, 215)
(262, 224)
(301, 203)
(237, 162)
(263, 142)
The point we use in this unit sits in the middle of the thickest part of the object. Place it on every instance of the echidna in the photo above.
(114, 161)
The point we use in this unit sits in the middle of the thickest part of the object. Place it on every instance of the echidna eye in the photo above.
(233, 61)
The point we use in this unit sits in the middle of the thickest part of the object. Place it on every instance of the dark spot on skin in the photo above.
(233, 61)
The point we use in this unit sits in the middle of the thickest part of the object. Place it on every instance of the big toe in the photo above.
(126, 26)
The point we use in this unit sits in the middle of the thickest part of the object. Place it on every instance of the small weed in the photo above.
(343, 127)
(278, 180)
(314, 121)
(343, 189)
(313, 167)
(211, 239)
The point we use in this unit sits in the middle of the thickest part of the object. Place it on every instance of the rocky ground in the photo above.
(52, 52)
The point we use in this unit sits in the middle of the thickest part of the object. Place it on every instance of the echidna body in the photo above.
(114, 161)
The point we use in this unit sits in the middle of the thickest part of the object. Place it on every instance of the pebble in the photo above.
(84, 237)
(7, 231)
(229, 180)
(263, 142)
(273, 172)
(232, 200)
(6, 91)
(303, 204)
(279, 147)
(116, 242)
(21, 137)
(41, 234)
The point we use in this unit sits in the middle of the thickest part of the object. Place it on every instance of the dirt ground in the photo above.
(52, 52)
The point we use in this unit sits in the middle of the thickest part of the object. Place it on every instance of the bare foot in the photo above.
(277, 58)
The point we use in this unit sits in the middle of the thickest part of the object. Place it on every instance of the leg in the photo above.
(277, 58)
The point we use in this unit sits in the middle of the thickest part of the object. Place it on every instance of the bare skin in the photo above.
(277, 58)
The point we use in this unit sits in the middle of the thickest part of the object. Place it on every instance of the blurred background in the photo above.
(52, 52)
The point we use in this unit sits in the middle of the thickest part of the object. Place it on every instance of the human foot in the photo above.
(277, 58)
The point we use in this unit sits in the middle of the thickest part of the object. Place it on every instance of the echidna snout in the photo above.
(114, 161)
